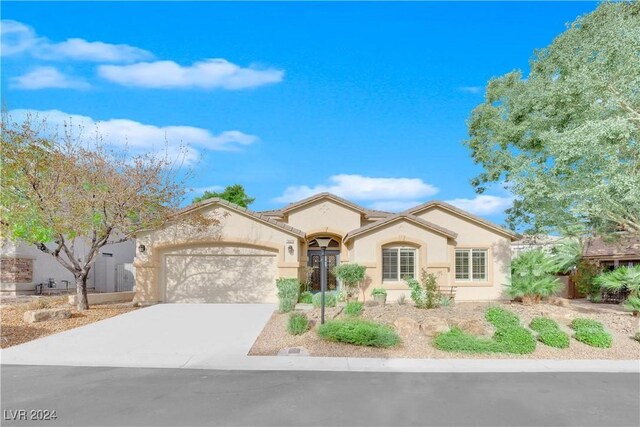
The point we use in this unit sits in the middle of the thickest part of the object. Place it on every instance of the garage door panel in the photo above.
(241, 278)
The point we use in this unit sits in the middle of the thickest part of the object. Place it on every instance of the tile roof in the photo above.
(447, 206)
(597, 247)
(258, 215)
(291, 206)
(398, 216)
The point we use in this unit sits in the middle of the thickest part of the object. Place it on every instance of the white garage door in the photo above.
(220, 275)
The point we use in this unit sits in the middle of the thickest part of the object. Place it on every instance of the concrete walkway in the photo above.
(219, 336)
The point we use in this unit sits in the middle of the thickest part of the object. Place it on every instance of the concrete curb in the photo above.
(338, 364)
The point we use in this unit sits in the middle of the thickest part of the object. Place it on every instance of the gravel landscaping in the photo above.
(415, 344)
(13, 329)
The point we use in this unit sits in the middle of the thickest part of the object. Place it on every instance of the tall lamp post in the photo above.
(323, 242)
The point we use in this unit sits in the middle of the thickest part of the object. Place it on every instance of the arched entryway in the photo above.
(314, 254)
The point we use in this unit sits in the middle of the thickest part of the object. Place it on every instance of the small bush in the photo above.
(359, 332)
(330, 299)
(425, 293)
(632, 304)
(456, 340)
(584, 323)
(517, 340)
(594, 337)
(549, 332)
(401, 299)
(353, 308)
(288, 291)
(501, 318)
(533, 276)
(445, 301)
(298, 324)
(510, 337)
(591, 332)
(378, 291)
(305, 297)
(637, 336)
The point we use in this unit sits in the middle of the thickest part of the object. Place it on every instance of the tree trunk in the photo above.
(82, 302)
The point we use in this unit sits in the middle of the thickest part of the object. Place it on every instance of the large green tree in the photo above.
(565, 139)
(232, 193)
(70, 197)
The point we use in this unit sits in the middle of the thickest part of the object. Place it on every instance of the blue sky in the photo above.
(366, 100)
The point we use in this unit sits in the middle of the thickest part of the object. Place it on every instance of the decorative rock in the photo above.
(432, 326)
(406, 326)
(473, 327)
(303, 306)
(34, 316)
(561, 302)
(294, 352)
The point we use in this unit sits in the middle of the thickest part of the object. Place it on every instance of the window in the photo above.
(398, 263)
(471, 264)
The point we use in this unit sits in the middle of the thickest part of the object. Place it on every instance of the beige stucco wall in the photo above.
(474, 235)
(234, 229)
(433, 254)
(324, 215)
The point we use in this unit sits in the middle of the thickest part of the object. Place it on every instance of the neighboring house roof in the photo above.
(396, 217)
(257, 215)
(598, 248)
(463, 213)
(325, 195)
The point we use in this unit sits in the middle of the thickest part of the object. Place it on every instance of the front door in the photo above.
(314, 262)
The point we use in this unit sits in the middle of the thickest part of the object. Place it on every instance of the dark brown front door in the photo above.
(314, 262)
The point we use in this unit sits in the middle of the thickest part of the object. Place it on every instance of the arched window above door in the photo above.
(332, 244)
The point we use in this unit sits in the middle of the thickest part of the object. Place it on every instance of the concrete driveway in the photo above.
(164, 335)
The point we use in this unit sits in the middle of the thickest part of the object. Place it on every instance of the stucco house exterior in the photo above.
(238, 259)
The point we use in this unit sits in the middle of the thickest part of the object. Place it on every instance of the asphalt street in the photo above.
(89, 396)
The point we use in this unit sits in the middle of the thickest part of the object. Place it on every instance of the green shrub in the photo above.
(533, 276)
(350, 275)
(549, 332)
(298, 324)
(586, 271)
(445, 301)
(425, 293)
(288, 291)
(510, 337)
(305, 297)
(501, 318)
(584, 323)
(620, 279)
(456, 340)
(591, 332)
(632, 304)
(359, 332)
(517, 340)
(330, 299)
(594, 337)
(353, 308)
(401, 299)
(378, 291)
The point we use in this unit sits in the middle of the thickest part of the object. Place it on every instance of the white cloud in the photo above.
(211, 189)
(140, 137)
(20, 38)
(47, 77)
(471, 89)
(207, 74)
(483, 204)
(358, 187)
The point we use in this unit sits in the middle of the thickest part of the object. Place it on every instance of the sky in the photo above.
(368, 101)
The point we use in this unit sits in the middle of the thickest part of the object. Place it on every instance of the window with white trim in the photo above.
(471, 265)
(398, 263)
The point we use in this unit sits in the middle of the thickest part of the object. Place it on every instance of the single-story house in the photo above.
(237, 259)
(612, 254)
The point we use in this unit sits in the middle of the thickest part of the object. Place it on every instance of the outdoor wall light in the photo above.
(142, 248)
(290, 249)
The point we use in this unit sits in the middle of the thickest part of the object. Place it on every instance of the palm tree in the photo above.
(620, 279)
(532, 276)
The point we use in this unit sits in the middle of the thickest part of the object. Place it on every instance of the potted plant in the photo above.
(379, 295)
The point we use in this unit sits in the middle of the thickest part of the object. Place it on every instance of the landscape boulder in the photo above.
(432, 326)
(561, 302)
(406, 326)
(471, 326)
(34, 316)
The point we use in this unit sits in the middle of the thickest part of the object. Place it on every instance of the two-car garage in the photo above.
(220, 274)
